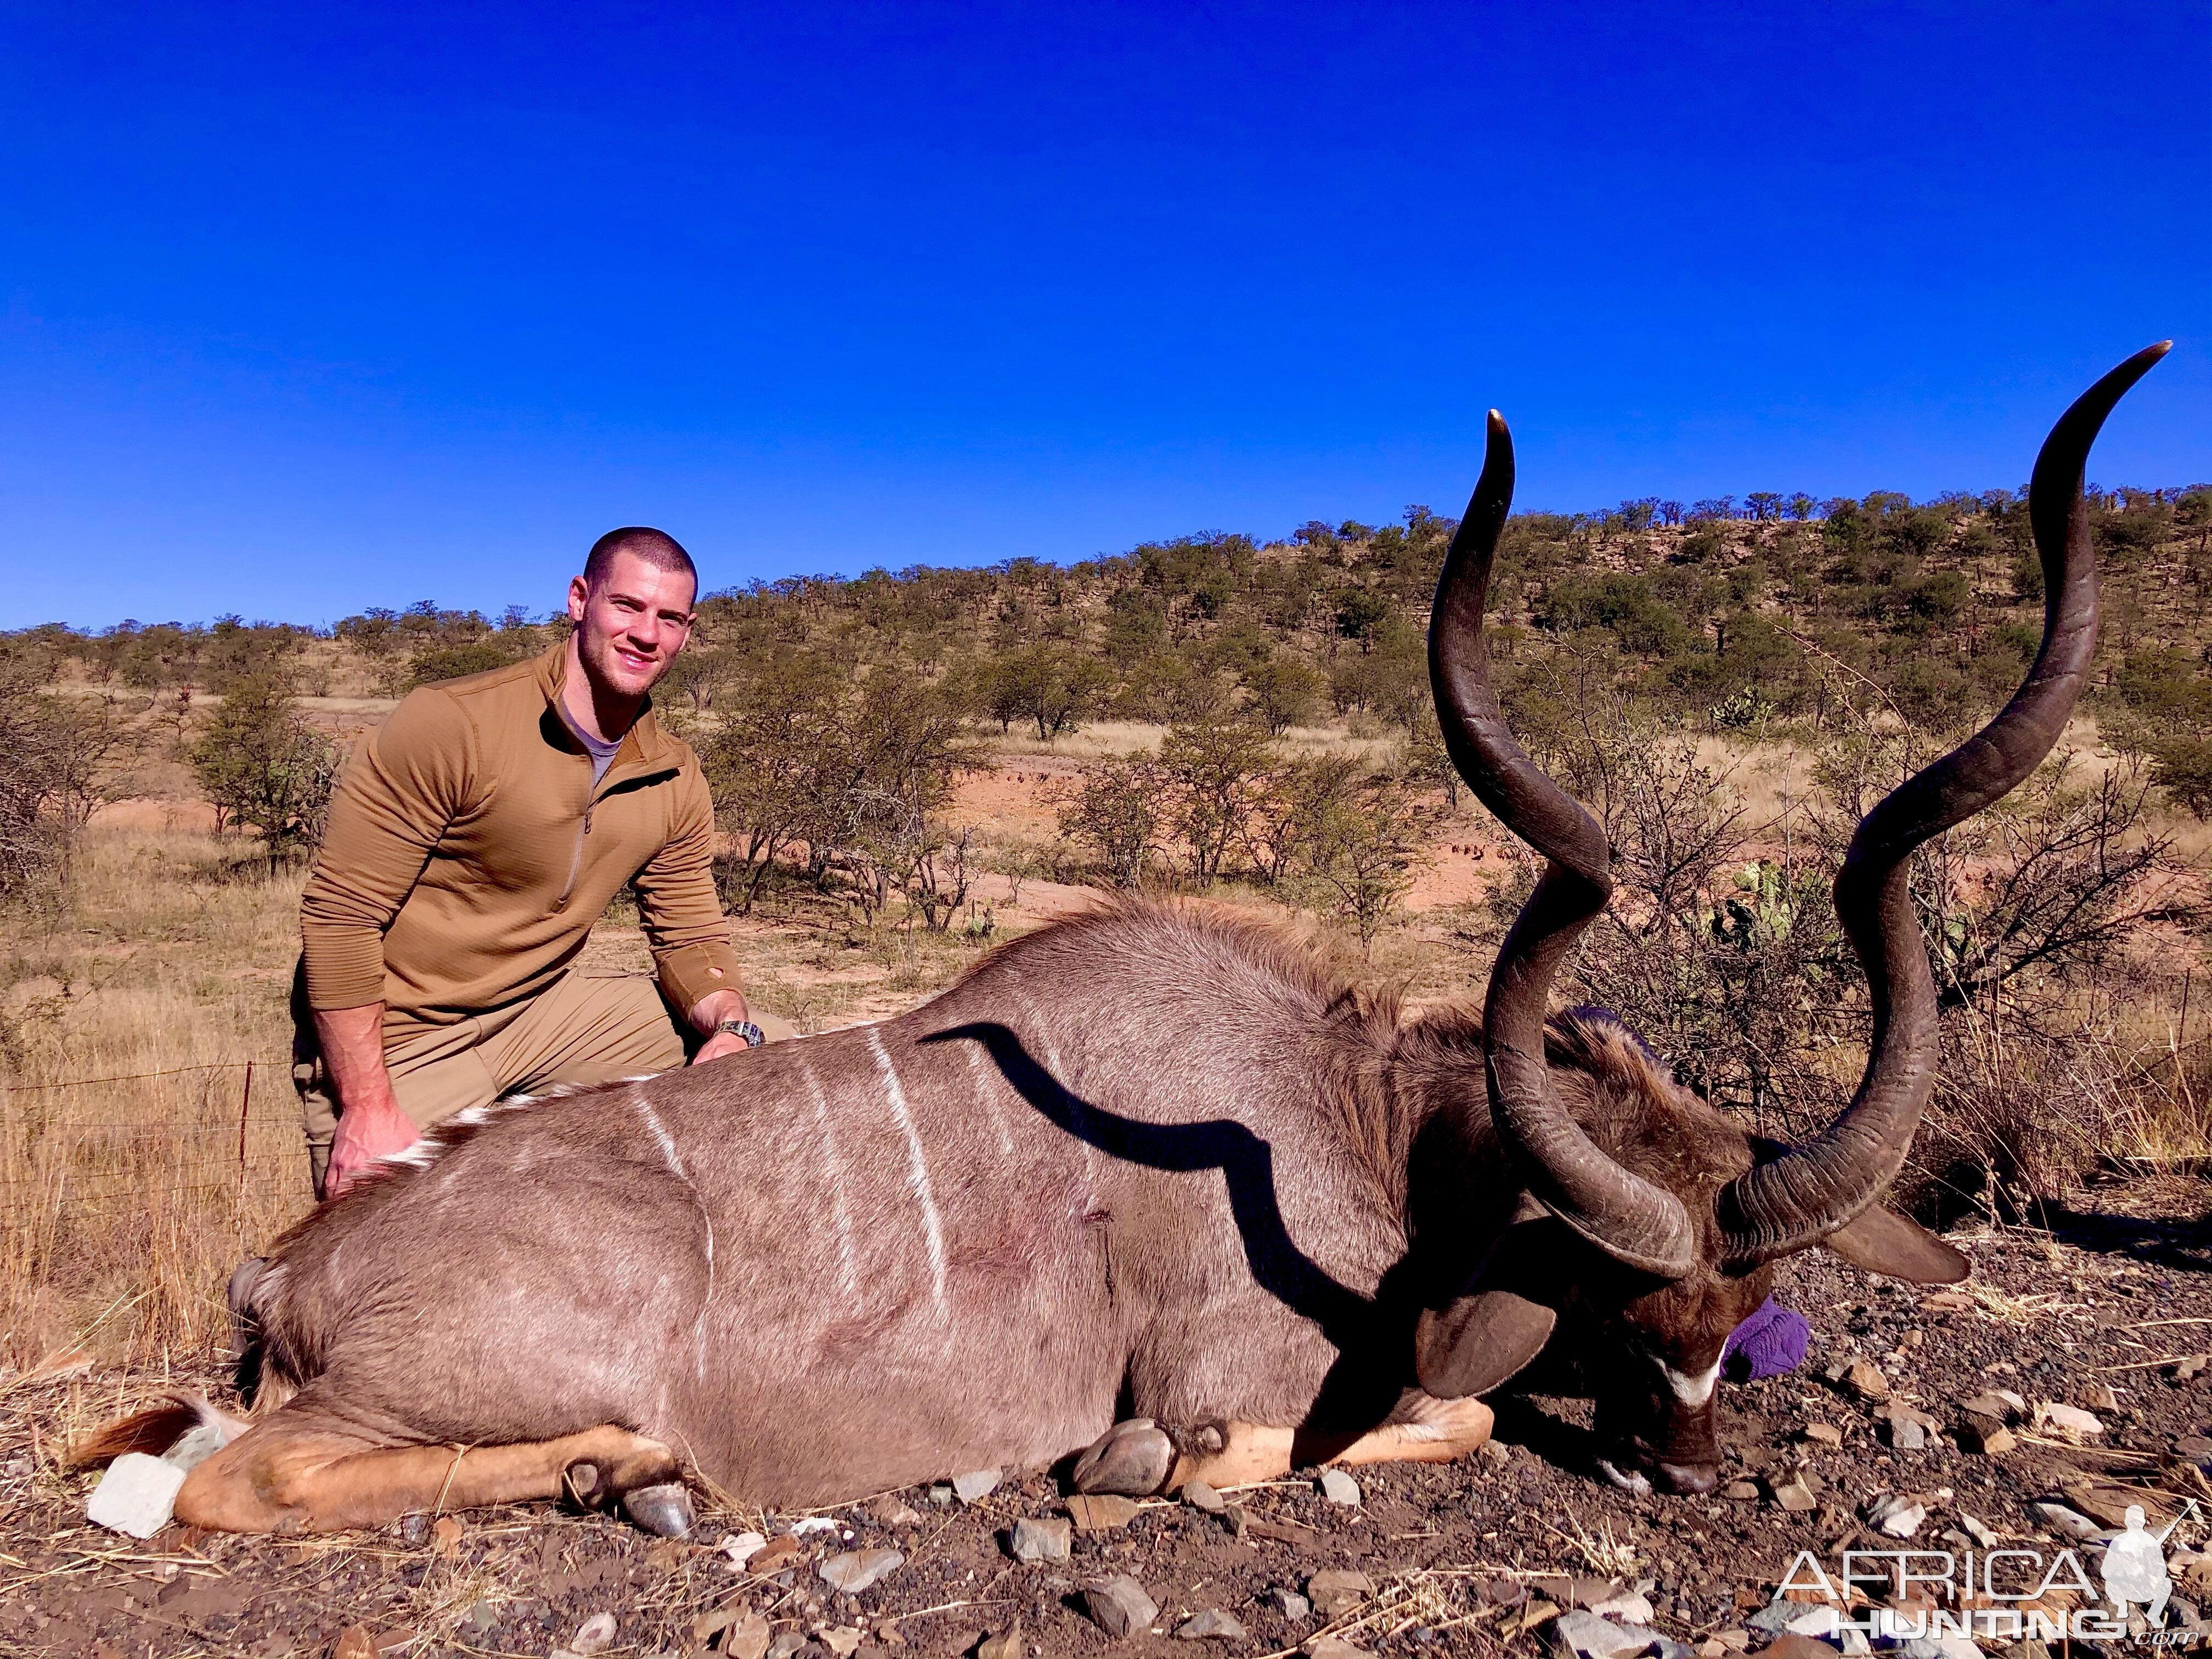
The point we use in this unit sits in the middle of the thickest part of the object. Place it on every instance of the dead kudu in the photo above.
(1155, 1165)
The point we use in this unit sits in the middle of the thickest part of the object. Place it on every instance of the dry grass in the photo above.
(128, 1201)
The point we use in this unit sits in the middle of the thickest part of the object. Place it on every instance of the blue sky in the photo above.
(304, 309)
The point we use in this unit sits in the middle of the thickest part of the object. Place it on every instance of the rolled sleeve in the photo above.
(682, 913)
(400, 790)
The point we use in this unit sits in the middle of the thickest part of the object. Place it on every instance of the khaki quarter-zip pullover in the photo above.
(469, 853)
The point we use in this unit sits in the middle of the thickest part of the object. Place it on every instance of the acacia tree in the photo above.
(266, 767)
(1116, 813)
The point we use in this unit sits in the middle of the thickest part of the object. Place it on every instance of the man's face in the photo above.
(630, 626)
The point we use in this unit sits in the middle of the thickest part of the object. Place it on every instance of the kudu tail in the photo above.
(155, 1429)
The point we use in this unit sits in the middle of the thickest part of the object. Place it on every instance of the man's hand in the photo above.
(708, 1013)
(365, 1134)
(371, 1126)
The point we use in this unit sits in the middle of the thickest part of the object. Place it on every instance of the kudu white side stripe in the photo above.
(848, 1277)
(917, 1172)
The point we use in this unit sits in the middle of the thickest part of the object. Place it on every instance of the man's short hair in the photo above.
(656, 547)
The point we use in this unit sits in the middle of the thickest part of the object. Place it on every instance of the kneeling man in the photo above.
(475, 838)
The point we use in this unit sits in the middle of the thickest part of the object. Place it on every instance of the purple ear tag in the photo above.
(1771, 1341)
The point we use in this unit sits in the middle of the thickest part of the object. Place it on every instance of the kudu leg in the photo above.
(1139, 1457)
(306, 1476)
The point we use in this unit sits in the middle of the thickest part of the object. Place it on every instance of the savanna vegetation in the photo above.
(1727, 685)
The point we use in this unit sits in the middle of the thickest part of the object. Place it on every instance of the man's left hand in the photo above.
(710, 1012)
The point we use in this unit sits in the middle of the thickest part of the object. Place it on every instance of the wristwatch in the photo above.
(744, 1028)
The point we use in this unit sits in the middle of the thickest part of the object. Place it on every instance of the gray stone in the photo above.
(1331, 1647)
(856, 1569)
(1119, 1606)
(481, 1617)
(1212, 1622)
(1897, 1514)
(787, 1643)
(1795, 1495)
(1906, 1434)
(1200, 1496)
(1339, 1487)
(1623, 1606)
(2060, 1518)
(1585, 1633)
(892, 1510)
(941, 1496)
(976, 1485)
(1740, 1492)
(1288, 1602)
(595, 1635)
(746, 1636)
(1034, 1539)
(137, 1495)
(1337, 1590)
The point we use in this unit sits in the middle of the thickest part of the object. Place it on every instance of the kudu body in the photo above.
(1152, 1181)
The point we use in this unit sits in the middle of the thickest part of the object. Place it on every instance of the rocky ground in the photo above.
(2109, 1313)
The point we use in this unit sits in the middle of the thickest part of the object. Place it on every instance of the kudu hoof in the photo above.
(1131, 1459)
(663, 1510)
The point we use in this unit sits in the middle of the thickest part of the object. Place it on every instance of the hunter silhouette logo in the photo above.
(2135, 1566)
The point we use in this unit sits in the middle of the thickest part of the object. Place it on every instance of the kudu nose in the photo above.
(1685, 1480)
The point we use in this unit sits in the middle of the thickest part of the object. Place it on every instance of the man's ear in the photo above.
(1500, 1322)
(1883, 1242)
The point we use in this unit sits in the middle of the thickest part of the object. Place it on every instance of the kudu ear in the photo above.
(1883, 1242)
(1500, 1322)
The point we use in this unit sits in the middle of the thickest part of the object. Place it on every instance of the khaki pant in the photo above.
(582, 1030)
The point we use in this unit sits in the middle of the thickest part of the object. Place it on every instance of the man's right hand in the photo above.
(371, 1126)
(366, 1132)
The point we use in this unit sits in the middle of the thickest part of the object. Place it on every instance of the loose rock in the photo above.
(1336, 1590)
(856, 1569)
(1119, 1606)
(1895, 1514)
(1796, 1496)
(1101, 1512)
(595, 1635)
(1212, 1622)
(2060, 1518)
(137, 1495)
(2068, 1422)
(746, 1636)
(1331, 1647)
(1739, 1491)
(1006, 1645)
(976, 1485)
(1339, 1487)
(890, 1510)
(842, 1640)
(1824, 1434)
(1864, 1378)
(1622, 1606)
(740, 1546)
(1203, 1497)
(1592, 1637)
(1289, 1603)
(1034, 1539)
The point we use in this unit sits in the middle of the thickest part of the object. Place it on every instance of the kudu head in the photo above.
(1651, 1223)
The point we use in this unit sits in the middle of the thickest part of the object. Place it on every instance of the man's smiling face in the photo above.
(630, 625)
